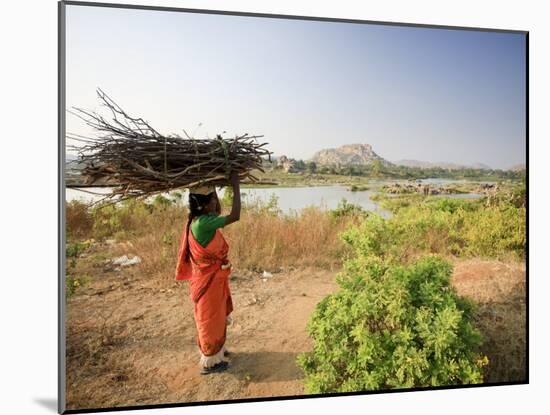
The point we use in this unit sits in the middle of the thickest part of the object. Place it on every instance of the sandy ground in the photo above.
(131, 340)
(133, 343)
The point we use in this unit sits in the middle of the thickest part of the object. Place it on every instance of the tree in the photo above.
(300, 165)
(376, 167)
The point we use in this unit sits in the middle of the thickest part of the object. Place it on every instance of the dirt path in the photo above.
(132, 342)
(131, 339)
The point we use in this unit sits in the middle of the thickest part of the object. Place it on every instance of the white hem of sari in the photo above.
(209, 361)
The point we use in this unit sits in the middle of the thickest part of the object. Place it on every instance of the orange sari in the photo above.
(207, 269)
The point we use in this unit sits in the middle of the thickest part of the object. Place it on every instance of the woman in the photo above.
(202, 259)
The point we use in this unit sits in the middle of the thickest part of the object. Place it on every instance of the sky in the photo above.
(428, 94)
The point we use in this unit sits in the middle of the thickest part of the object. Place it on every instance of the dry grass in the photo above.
(261, 240)
(79, 221)
(268, 242)
(498, 289)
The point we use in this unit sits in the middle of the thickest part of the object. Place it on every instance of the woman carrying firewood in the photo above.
(202, 259)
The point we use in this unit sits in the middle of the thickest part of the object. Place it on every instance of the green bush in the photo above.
(358, 188)
(161, 202)
(118, 220)
(346, 208)
(391, 326)
(72, 281)
(447, 227)
(227, 199)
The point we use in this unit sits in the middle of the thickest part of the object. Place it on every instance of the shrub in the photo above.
(358, 188)
(117, 220)
(161, 202)
(78, 219)
(392, 326)
(72, 281)
(448, 227)
(227, 199)
(346, 208)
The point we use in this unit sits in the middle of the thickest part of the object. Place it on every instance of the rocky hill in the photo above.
(358, 154)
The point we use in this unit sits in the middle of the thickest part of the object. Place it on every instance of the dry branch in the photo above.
(136, 160)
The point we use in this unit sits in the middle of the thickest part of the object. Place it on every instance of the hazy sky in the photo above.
(412, 93)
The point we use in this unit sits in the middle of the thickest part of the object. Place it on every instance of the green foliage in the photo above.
(117, 220)
(449, 227)
(227, 199)
(74, 249)
(377, 169)
(516, 196)
(161, 202)
(346, 208)
(176, 195)
(396, 321)
(72, 281)
(393, 204)
(358, 188)
(269, 207)
(311, 167)
(391, 326)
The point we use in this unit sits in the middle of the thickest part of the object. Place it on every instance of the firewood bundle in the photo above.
(135, 160)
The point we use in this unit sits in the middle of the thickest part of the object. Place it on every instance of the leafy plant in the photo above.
(346, 208)
(113, 220)
(72, 281)
(358, 188)
(391, 326)
(161, 202)
(447, 227)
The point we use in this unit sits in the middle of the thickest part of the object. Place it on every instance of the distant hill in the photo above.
(444, 165)
(358, 154)
(480, 166)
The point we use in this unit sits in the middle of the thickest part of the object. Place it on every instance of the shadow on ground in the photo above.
(502, 324)
(264, 366)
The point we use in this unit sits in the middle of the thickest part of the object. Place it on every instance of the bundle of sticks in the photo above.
(135, 160)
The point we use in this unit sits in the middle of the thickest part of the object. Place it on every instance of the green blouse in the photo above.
(204, 227)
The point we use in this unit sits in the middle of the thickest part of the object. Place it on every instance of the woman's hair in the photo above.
(197, 206)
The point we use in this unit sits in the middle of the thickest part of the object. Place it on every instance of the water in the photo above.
(289, 199)
(292, 199)
(325, 197)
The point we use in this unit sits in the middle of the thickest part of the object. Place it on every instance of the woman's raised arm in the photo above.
(235, 214)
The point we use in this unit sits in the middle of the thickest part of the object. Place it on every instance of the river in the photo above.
(291, 199)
